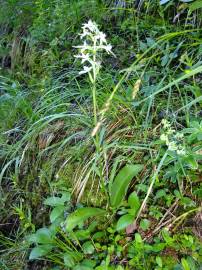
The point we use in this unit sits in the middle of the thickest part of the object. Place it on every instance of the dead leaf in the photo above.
(131, 228)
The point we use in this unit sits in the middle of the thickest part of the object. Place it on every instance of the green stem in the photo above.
(94, 85)
(94, 104)
(94, 78)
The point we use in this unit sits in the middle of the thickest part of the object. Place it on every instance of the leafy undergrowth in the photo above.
(100, 170)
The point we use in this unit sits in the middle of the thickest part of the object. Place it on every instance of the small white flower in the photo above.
(85, 70)
(170, 131)
(108, 48)
(172, 139)
(92, 26)
(84, 57)
(102, 37)
(165, 123)
(172, 146)
(181, 152)
(84, 34)
(164, 138)
(84, 47)
(94, 42)
(179, 136)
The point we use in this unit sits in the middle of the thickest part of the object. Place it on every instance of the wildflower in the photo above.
(164, 138)
(94, 41)
(84, 57)
(92, 26)
(181, 152)
(102, 38)
(85, 70)
(172, 139)
(165, 123)
(170, 131)
(107, 48)
(172, 146)
(179, 136)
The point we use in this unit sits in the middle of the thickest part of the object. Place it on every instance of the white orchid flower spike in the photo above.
(94, 42)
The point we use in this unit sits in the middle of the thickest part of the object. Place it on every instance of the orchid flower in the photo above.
(94, 42)
(172, 139)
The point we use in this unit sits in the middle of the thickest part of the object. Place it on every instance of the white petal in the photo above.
(92, 26)
(85, 70)
(102, 37)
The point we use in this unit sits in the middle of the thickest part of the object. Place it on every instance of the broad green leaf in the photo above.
(138, 238)
(159, 261)
(113, 173)
(124, 221)
(42, 236)
(88, 247)
(99, 235)
(102, 267)
(81, 215)
(187, 202)
(119, 267)
(191, 263)
(160, 193)
(82, 267)
(191, 162)
(92, 226)
(108, 260)
(198, 192)
(54, 201)
(144, 224)
(134, 202)
(66, 196)
(89, 263)
(142, 187)
(121, 183)
(69, 260)
(167, 237)
(82, 234)
(185, 264)
(158, 247)
(196, 5)
(40, 251)
(148, 248)
(56, 212)
(177, 194)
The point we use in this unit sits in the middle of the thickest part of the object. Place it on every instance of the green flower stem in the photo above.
(94, 78)
(94, 86)
(94, 104)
